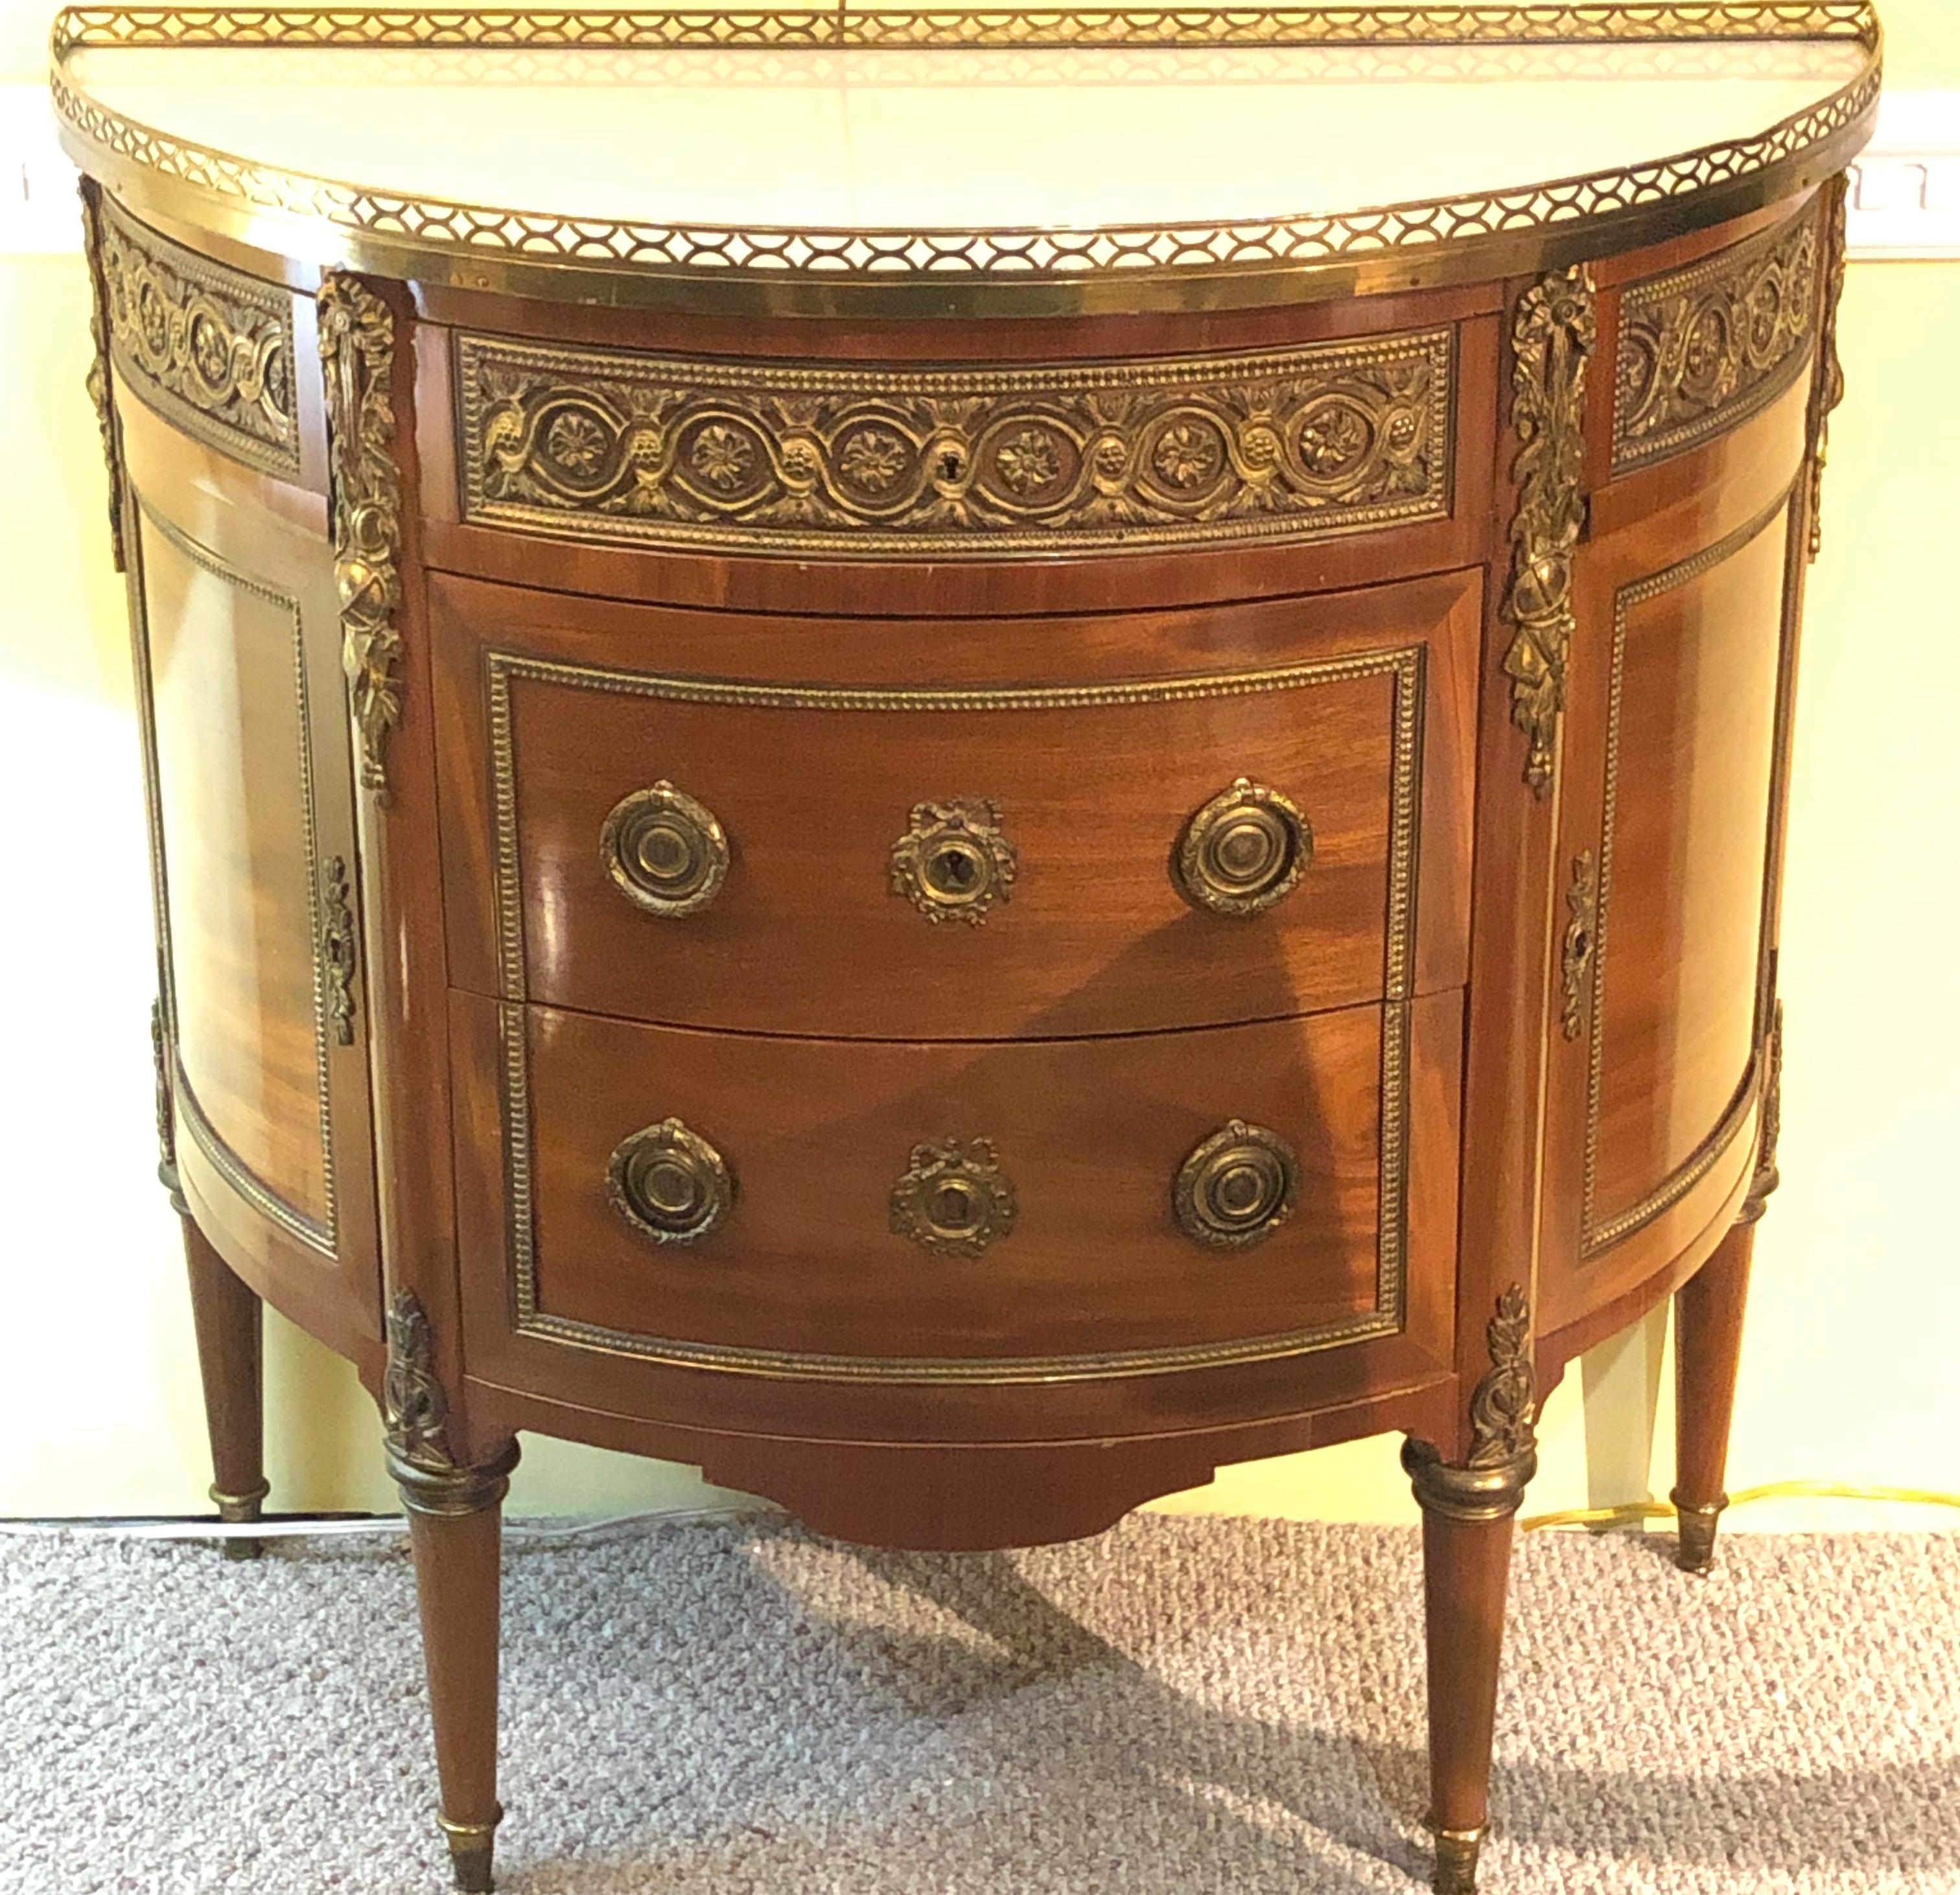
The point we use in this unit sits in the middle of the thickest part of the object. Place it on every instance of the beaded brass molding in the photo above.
(1828, 390)
(100, 395)
(1597, 1235)
(1190, 265)
(209, 348)
(357, 351)
(1702, 349)
(1552, 336)
(317, 1234)
(660, 450)
(1405, 666)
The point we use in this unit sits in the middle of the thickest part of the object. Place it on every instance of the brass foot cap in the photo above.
(470, 1846)
(1456, 1853)
(1694, 1529)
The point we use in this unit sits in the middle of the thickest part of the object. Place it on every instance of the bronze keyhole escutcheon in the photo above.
(954, 1199)
(953, 863)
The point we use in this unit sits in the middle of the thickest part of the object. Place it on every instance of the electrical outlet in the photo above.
(39, 215)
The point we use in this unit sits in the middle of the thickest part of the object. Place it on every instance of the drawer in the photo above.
(1037, 1212)
(1180, 842)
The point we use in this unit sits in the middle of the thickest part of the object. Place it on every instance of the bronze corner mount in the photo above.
(357, 352)
(415, 1410)
(1489, 1483)
(101, 390)
(1828, 390)
(1766, 1177)
(1553, 337)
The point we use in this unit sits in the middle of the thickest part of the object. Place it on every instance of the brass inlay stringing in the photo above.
(936, 272)
(665, 852)
(209, 348)
(338, 948)
(1827, 391)
(1556, 327)
(954, 1199)
(357, 351)
(101, 393)
(1277, 445)
(1405, 666)
(1702, 349)
(1596, 1235)
(953, 863)
(317, 1234)
(1581, 908)
(1236, 1188)
(669, 1184)
(1243, 852)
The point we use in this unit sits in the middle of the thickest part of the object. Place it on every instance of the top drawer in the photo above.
(1252, 812)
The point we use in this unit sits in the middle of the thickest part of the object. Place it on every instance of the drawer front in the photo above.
(1023, 1214)
(972, 860)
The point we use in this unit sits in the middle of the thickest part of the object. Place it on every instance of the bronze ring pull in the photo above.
(669, 1184)
(666, 852)
(953, 864)
(1237, 1188)
(955, 1199)
(1245, 850)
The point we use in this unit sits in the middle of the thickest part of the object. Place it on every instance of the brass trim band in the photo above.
(1702, 349)
(209, 348)
(1001, 272)
(1280, 446)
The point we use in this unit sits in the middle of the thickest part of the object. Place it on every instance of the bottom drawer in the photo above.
(1036, 1211)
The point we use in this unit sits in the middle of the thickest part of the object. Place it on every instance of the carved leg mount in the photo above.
(1708, 1312)
(455, 1528)
(1468, 1513)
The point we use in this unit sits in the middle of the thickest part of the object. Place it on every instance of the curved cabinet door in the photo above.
(236, 636)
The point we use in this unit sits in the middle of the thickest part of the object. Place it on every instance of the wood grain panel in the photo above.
(1094, 779)
(1090, 1134)
(236, 799)
(1690, 738)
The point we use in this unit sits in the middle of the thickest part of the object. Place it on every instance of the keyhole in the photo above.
(952, 463)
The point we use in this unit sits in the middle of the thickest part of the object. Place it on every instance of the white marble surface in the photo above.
(958, 138)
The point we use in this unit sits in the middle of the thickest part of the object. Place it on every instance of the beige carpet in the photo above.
(1180, 1708)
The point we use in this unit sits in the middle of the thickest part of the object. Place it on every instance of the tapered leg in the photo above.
(1708, 1340)
(229, 1324)
(1469, 1509)
(1708, 1349)
(455, 1525)
(1467, 1530)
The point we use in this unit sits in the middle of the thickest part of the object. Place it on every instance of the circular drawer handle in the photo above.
(953, 864)
(666, 852)
(669, 1184)
(1237, 1188)
(1243, 851)
(955, 1201)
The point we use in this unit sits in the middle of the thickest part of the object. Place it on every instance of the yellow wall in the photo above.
(1848, 1371)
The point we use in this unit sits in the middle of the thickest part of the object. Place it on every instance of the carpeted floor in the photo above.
(1183, 1707)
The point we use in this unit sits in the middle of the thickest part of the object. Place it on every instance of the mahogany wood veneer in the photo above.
(962, 879)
